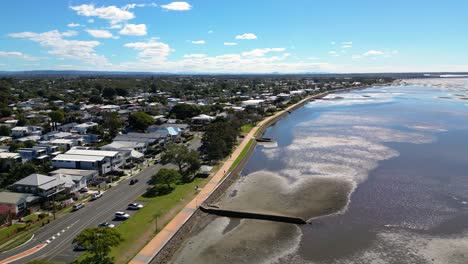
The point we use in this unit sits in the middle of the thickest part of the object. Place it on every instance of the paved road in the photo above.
(102, 210)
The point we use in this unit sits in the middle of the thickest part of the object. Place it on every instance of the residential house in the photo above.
(82, 162)
(72, 183)
(89, 175)
(38, 184)
(83, 128)
(8, 159)
(17, 203)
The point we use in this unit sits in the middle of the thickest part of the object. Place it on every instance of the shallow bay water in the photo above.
(381, 173)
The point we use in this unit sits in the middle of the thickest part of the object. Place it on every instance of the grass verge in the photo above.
(245, 129)
(242, 154)
(141, 227)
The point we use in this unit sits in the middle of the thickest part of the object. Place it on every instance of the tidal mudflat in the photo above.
(381, 174)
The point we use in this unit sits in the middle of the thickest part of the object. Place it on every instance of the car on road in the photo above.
(121, 216)
(77, 206)
(106, 224)
(96, 196)
(83, 190)
(134, 206)
(133, 181)
(79, 247)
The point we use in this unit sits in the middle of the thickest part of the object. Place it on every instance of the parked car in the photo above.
(83, 190)
(133, 181)
(96, 196)
(121, 216)
(106, 224)
(79, 247)
(77, 206)
(134, 206)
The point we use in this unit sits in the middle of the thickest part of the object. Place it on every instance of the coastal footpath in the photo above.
(164, 244)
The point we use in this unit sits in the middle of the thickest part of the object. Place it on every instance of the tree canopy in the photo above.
(184, 111)
(140, 121)
(219, 139)
(166, 176)
(186, 160)
(98, 242)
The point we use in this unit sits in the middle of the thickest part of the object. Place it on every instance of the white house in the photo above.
(114, 157)
(83, 128)
(82, 162)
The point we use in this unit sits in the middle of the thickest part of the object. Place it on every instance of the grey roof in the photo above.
(35, 180)
(181, 126)
(15, 198)
(73, 172)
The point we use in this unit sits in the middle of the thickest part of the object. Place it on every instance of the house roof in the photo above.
(89, 158)
(35, 179)
(123, 145)
(85, 173)
(8, 155)
(90, 152)
(14, 198)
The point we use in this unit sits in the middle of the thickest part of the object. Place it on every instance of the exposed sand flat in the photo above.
(249, 241)
(268, 193)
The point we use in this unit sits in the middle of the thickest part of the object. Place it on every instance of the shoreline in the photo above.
(167, 250)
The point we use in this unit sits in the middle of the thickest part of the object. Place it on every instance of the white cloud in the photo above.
(111, 13)
(261, 52)
(332, 52)
(134, 30)
(72, 25)
(90, 20)
(210, 31)
(15, 55)
(346, 46)
(198, 42)
(191, 56)
(246, 36)
(177, 6)
(373, 53)
(347, 43)
(230, 43)
(333, 42)
(151, 50)
(65, 48)
(98, 33)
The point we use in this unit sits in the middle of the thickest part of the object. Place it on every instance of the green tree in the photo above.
(56, 117)
(166, 176)
(111, 121)
(108, 92)
(140, 121)
(4, 131)
(188, 161)
(98, 243)
(219, 139)
(184, 111)
(96, 99)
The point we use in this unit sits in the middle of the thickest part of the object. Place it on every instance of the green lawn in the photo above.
(245, 129)
(142, 225)
(4, 232)
(242, 154)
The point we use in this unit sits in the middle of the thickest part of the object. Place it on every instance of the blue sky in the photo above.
(242, 36)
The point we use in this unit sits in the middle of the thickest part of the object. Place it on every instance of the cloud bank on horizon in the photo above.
(232, 37)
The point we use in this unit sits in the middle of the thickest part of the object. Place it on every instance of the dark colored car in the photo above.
(133, 181)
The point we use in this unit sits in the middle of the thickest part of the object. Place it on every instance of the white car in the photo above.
(134, 206)
(96, 196)
(122, 215)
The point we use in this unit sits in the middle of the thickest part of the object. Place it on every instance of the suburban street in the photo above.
(95, 212)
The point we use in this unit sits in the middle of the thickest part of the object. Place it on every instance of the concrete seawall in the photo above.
(249, 215)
